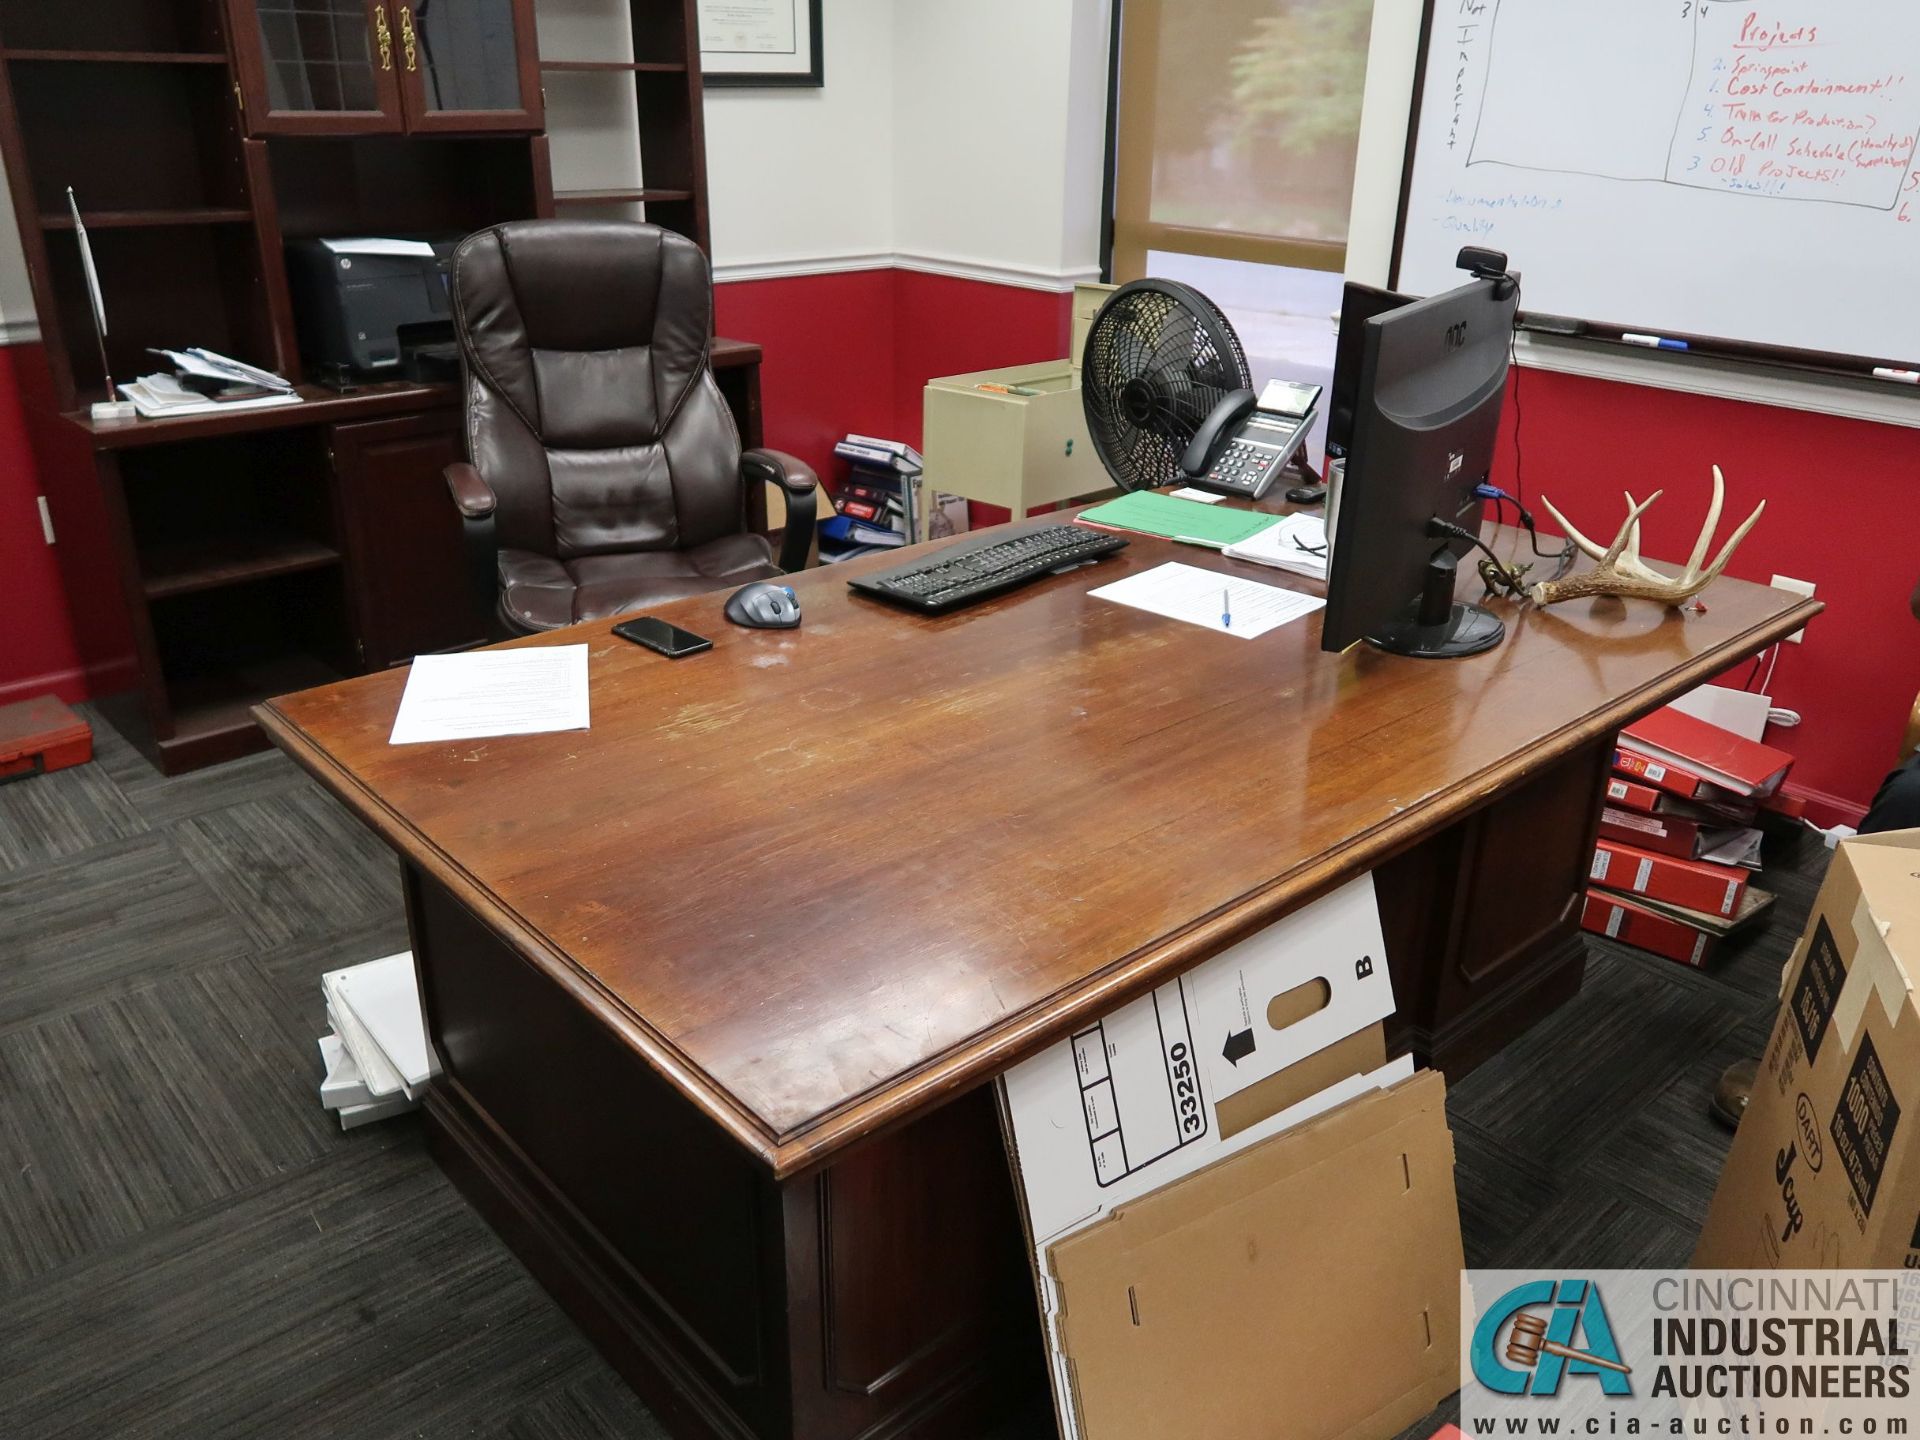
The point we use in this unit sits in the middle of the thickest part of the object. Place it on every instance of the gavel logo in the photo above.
(1510, 1342)
(1527, 1342)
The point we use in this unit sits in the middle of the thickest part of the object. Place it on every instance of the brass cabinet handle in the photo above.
(406, 38)
(384, 35)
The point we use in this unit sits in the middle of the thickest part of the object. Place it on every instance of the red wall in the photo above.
(852, 351)
(37, 651)
(1839, 513)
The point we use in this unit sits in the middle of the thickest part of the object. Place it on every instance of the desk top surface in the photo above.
(824, 878)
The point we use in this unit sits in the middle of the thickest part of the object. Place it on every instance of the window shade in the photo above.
(1238, 125)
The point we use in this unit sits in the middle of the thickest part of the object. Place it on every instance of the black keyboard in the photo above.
(946, 580)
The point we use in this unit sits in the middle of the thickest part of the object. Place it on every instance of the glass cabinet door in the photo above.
(318, 67)
(468, 65)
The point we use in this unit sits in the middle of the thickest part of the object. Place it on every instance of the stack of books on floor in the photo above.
(1680, 836)
(874, 509)
(377, 1058)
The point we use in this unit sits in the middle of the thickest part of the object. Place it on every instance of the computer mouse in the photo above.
(764, 606)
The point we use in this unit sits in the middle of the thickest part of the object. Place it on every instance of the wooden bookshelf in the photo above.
(263, 551)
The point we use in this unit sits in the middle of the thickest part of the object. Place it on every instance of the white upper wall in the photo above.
(802, 179)
(1000, 115)
(16, 291)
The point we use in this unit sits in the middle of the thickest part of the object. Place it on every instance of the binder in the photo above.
(1720, 757)
(1620, 919)
(1695, 884)
(1673, 779)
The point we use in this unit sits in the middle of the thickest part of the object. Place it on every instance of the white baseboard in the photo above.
(959, 267)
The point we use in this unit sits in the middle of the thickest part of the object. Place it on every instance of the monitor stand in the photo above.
(1436, 628)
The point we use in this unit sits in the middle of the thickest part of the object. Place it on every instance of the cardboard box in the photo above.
(1280, 1029)
(1825, 1167)
(1308, 1287)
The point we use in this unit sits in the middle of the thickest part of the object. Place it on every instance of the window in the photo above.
(1238, 122)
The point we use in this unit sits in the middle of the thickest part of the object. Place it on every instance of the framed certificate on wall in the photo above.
(760, 42)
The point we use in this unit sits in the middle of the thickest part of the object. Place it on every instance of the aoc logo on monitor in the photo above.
(1457, 335)
(1521, 1349)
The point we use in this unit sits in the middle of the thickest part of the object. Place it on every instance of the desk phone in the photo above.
(1270, 436)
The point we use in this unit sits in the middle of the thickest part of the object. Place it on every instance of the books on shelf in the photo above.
(377, 1058)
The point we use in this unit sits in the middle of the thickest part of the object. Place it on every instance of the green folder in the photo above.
(1150, 513)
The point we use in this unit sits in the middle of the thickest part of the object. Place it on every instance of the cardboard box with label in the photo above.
(1225, 1182)
(1825, 1167)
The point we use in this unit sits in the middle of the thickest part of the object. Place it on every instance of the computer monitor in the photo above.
(1358, 304)
(1433, 374)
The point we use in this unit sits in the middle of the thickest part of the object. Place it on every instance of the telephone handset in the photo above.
(1246, 443)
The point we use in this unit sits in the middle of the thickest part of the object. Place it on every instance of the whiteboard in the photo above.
(1708, 169)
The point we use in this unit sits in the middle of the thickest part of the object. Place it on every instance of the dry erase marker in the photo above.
(1226, 608)
(1655, 342)
(1905, 377)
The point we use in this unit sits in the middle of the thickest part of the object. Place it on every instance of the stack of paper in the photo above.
(204, 381)
(1298, 544)
(377, 1057)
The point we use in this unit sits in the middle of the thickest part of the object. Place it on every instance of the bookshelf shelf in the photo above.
(143, 219)
(619, 196)
(208, 564)
(115, 57)
(622, 67)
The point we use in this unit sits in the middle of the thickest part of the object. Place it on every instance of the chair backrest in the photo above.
(591, 406)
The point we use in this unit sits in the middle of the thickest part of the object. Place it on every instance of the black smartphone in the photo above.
(670, 640)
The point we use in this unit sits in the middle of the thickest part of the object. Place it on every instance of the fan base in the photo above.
(1467, 630)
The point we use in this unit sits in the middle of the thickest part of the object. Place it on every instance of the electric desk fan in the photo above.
(1161, 368)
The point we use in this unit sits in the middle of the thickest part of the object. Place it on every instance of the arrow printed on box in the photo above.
(1239, 1045)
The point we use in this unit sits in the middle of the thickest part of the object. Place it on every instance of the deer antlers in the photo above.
(1620, 570)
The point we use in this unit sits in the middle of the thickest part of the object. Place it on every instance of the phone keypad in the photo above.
(1245, 467)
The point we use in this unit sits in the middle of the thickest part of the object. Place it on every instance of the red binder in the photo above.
(1718, 756)
(1618, 918)
(1665, 834)
(1695, 884)
(1632, 795)
(1673, 779)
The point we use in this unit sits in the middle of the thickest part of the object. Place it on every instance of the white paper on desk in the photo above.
(1186, 592)
(1298, 544)
(526, 691)
(1187, 492)
(376, 245)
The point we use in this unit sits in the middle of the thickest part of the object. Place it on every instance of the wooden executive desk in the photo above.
(718, 983)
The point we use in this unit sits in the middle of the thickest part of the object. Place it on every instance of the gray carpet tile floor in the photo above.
(190, 1247)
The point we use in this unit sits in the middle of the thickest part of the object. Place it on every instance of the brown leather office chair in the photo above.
(606, 470)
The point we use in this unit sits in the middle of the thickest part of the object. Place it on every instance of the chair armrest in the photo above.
(789, 472)
(796, 478)
(472, 495)
(476, 502)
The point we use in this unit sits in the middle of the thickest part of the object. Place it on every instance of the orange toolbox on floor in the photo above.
(41, 735)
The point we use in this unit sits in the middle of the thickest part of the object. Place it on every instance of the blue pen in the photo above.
(1654, 342)
(1226, 609)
